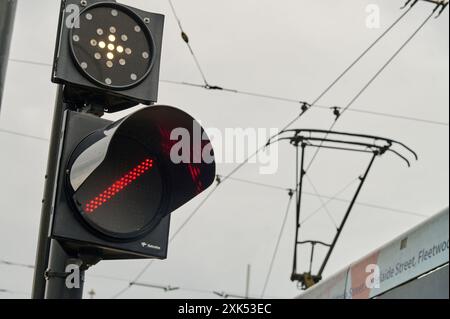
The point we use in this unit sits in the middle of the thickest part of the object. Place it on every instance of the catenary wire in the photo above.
(364, 204)
(172, 238)
(186, 40)
(259, 95)
(257, 183)
(322, 201)
(354, 63)
(372, 80)
(388, 63)
(167, 288)
(277, 246)
(13, 292)
(317, 106)
(329, 200)
(9, 132)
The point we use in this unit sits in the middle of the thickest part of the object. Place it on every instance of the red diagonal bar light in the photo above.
(118, 186)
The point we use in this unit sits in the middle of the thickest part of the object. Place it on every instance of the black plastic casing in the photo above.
(80, 90)
(74, 234)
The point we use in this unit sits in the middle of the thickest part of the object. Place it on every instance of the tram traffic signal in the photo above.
(108, 54)
(118, 182)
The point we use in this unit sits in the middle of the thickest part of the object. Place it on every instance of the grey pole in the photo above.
(61, 282)
(247, 284)
(43, 247)
(7, 14)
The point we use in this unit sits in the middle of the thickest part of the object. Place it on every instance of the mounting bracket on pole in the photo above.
(322, 139)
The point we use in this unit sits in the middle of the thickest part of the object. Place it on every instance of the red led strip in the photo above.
(195, 174)
(118, 186)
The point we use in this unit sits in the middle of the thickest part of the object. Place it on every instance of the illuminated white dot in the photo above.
(122, 62)
(137, 28)
(84, 65)
(99, 31)
(97, 56)
(88, 16)
(124, 37)
(145, 55)
(120, 49)
(111, 47)
(114, 13)
(133, 76)
(108, 81)
(94, 42)
(112, 38)
(102, 44)
(128, 51)
(109, 64)
(112, 30)
(76, 38)
(110, 56)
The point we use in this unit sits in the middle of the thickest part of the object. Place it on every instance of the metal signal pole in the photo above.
(43, 248)
(44, 240)
(62, 284)
(50, 276)
(7, 15)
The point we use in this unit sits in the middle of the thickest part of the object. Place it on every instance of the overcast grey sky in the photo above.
(291, 48)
